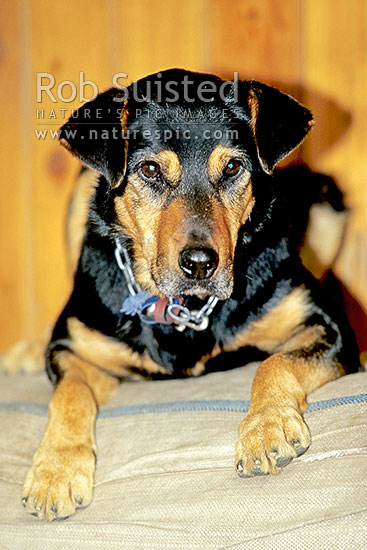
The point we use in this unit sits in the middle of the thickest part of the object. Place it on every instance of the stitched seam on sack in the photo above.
(210, 405)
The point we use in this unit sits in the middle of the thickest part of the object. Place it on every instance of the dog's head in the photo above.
(180, 151)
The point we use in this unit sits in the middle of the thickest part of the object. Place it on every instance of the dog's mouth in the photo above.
(171, 285)
(222, 292)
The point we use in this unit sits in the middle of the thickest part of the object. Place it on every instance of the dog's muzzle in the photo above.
(152, 309)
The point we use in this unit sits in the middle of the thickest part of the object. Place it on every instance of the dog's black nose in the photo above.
(198, 263)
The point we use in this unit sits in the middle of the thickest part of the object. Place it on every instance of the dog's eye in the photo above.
(150, 170)
(233, 168)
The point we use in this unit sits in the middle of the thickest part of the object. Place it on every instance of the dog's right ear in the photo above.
(94, 134)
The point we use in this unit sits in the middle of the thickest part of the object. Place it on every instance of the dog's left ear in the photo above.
(278, 122)
(94, 134)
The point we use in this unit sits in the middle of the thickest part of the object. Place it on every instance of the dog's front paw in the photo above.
(269, 440)
(59, 481)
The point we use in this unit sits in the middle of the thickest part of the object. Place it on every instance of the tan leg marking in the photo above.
(62, 473)
(273, 431)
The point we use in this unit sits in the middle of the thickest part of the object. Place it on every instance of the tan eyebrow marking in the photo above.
(219, 158)
(170, 165)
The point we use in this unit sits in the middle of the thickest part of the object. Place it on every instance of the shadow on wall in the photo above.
(331, 120)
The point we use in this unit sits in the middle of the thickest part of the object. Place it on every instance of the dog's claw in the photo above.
(300, 449)
(257, 471)
(240, 470)
(283, 461)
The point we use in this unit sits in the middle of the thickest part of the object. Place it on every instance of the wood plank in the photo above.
(261, 40)
(154, 36)
(63, 43)
(89, 45)
(13, 270)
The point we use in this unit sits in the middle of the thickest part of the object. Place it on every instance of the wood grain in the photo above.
(261, 40)
(154, 36)
(15, 284)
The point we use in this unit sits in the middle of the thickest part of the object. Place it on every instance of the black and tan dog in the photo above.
(187, 266)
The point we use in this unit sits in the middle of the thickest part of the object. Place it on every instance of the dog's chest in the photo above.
(179, 353)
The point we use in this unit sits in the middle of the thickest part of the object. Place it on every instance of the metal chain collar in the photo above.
(146, 304)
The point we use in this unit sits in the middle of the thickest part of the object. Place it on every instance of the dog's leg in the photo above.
(62, 474)
(273, 431)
